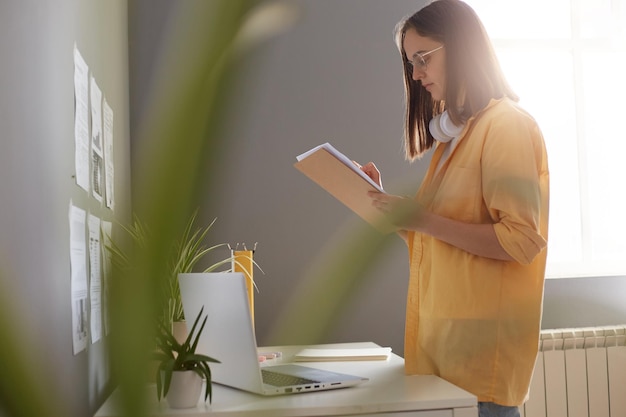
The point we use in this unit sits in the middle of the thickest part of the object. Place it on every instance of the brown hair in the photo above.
(473, 74)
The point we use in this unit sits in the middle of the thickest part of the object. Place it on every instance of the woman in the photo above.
(477, 229)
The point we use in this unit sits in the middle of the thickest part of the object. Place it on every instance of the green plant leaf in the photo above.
(198, 357)
(173, 356)
(192, 331)
(207, 375)
(186, 252)
(244, 270)
(167, 368)
(195, 342)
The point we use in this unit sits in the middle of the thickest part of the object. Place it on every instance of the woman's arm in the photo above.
(477, 239)
(406, 214)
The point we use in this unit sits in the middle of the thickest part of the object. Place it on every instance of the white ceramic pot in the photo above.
(184, 390)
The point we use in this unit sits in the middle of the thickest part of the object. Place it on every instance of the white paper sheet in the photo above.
(78, 272)
(81, 120)
(347, 161)
(107, 228)
(95, 275)
(331, 355)
(97, 148)
(107, 116)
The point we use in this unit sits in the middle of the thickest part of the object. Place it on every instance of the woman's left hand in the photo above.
(403, 212)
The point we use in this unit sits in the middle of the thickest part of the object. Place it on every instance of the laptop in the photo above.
(229, 337)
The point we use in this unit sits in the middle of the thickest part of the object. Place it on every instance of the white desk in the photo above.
(389, 392)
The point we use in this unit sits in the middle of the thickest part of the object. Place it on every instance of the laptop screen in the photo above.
(229, 334)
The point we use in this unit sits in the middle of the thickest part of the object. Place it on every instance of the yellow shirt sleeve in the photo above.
(513, 166)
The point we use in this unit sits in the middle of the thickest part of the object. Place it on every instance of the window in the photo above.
(566, 59)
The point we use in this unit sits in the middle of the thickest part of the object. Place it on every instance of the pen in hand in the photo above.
(371, 171)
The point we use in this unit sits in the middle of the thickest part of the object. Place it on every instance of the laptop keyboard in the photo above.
(282, 380)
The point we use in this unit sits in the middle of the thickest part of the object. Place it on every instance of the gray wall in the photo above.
(334, 77)
(36, 175)
(583, 302)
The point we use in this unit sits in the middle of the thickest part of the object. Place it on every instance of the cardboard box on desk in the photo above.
(326, 168)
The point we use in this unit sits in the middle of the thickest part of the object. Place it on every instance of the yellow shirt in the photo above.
(475, 321)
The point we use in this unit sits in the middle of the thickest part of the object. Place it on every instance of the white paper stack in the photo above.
(334, 355)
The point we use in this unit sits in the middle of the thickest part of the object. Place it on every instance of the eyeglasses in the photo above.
(419, 60)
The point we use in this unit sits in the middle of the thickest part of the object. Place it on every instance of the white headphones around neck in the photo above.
(443, 129)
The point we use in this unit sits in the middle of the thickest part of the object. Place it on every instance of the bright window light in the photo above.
(566, 60)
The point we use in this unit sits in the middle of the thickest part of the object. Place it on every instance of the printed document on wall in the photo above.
(107, 117)
(107, 266)
(95, 278)
(97, 159)
(78, 273)
(81, 120)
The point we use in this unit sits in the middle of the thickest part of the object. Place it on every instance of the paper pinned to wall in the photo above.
(97, 152)
(81, 120)
(95, 278)
(78, 273)
(109, 177)
(107, 230)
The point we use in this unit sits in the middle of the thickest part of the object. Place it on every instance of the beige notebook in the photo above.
(331, 355)
(338, 175)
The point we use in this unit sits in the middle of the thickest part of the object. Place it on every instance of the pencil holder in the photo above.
(243, 262)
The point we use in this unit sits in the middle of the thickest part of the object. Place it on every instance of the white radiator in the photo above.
(580, 372)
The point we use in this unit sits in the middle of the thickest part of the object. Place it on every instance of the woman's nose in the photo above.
(417, 73)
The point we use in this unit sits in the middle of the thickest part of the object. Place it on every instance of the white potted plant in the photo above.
(181, 369)
(187, 251)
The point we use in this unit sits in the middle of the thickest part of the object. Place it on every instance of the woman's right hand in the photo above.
(371, 171)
